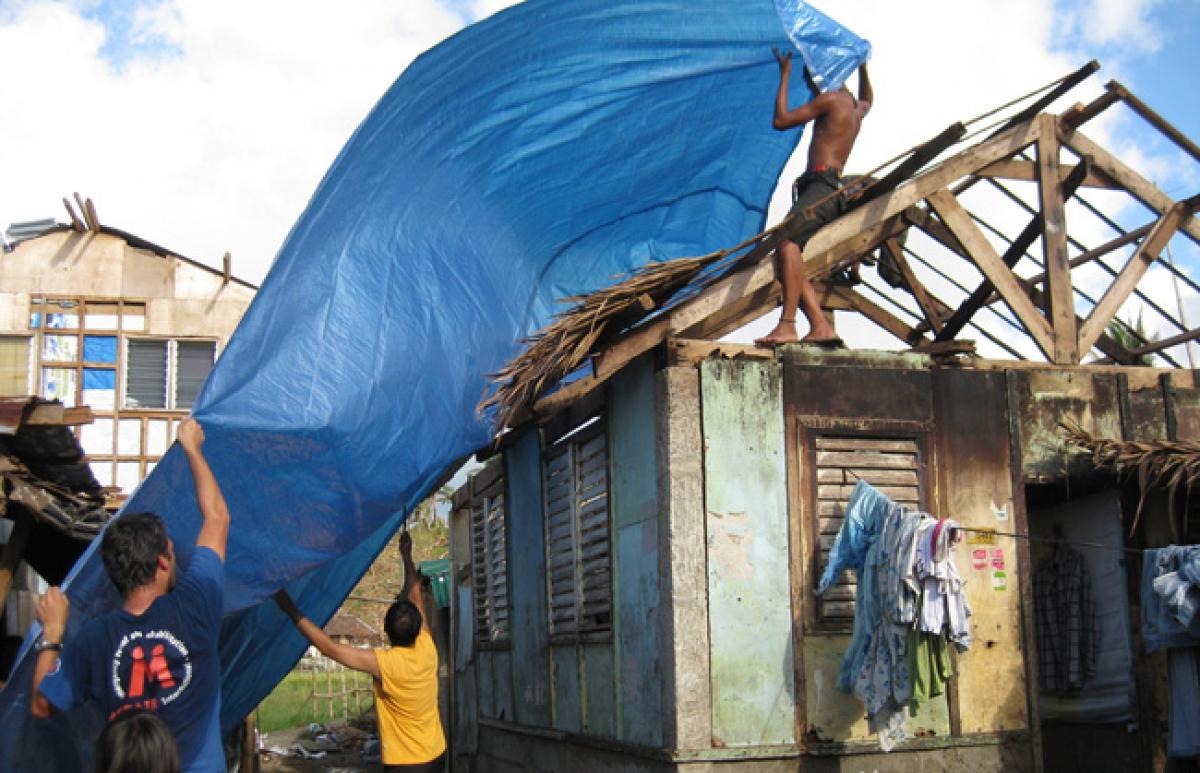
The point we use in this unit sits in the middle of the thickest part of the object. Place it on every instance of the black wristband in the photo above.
(44, 645)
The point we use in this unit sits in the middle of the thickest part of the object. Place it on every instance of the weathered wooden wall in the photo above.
(749, 599)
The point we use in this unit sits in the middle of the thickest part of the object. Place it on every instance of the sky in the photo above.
(205, 125)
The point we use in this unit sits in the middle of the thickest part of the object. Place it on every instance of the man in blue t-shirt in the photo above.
(158, 652)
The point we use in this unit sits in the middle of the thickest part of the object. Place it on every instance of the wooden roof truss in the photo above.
(1032, 148)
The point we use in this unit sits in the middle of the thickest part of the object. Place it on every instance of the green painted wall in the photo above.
(750, 615)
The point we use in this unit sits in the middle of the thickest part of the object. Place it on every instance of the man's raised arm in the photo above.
(412, 580)
(785, 118)
(350, 657)
(214, 531)
(866, 95)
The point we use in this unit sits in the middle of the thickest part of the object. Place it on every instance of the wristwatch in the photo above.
(44, 645)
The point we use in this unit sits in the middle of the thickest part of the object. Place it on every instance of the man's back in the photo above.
(164, 660)
(835, 129)
(406, 700)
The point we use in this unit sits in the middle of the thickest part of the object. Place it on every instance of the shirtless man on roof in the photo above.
(837, 117)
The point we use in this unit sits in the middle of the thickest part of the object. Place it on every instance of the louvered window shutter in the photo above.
(560, 540)
(193, 363)
(591, 487)
(890, 465)
(146, 374)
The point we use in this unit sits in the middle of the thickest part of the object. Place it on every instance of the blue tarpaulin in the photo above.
(530, 157)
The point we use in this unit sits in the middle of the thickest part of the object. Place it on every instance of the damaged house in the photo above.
(105, 340)
(635, 564)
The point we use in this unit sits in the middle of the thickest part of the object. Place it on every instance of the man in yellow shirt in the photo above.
(403, 676)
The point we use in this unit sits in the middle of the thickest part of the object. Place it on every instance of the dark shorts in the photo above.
(433, 766)
(808, 189)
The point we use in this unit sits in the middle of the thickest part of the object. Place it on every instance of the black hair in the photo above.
(137, 742)
(402, 623)
(130, 549)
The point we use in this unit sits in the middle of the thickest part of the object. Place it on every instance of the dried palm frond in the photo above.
(558, 349)
(1167, 463)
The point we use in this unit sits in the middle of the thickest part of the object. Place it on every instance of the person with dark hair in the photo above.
(836, 116)
(137, 742)
(403, 676)
(158, 651)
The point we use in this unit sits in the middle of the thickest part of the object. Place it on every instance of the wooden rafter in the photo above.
(1016, 250)
(1139, 187)
(880, 316)
(1135, 268)
(919, 293)
(992, 265)
(1021, 169)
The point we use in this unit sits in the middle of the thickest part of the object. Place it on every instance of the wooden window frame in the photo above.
(807, 437)
(171, 376)
(595, 426)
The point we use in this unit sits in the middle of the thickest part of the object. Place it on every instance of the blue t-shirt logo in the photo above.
(149, 670)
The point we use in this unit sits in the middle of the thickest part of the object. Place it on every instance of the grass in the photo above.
(290, 703)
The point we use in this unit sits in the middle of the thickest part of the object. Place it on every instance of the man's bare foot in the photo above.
(784, 333)
(824, 336)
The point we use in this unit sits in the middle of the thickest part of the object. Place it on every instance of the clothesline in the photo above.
(1062, 540)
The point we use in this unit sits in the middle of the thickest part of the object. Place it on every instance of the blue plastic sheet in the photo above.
(530, 157)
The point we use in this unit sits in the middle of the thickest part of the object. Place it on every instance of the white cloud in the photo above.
(215, 149)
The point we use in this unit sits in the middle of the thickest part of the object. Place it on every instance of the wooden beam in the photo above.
(993, 267)
(14, 549)
(1020, 169)
(1081, 114)
(920, 156)
(919, 293)
(880, 316)
(93, 218)
(227, 268)
(1061, 307)
(1135, 268)
(1047, 99)
(1101, 251)
(1180, 139)
(76, 223)
(1139, 187)
(979, 298)
(1157, 346)
(56, 415)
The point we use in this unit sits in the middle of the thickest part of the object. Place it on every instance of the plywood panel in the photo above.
(856, 393)
(568, 706)
(502, 682)
(1148, 417)
(1187, 413)
(600, 710)
(527, 567)
(837, 716)
(1049, 397)
(486, 683)
(752, 666)
(972, 457)
(634, 501)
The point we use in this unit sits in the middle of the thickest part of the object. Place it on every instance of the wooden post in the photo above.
(249, 752)
(227, 263)
(13, 551)
(1060, 307)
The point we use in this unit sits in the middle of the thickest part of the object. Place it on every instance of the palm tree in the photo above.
(1131, 336)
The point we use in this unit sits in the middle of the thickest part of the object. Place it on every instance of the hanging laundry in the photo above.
(882, 543)
(1170, 603)
(944, 606)
(1064, 621)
